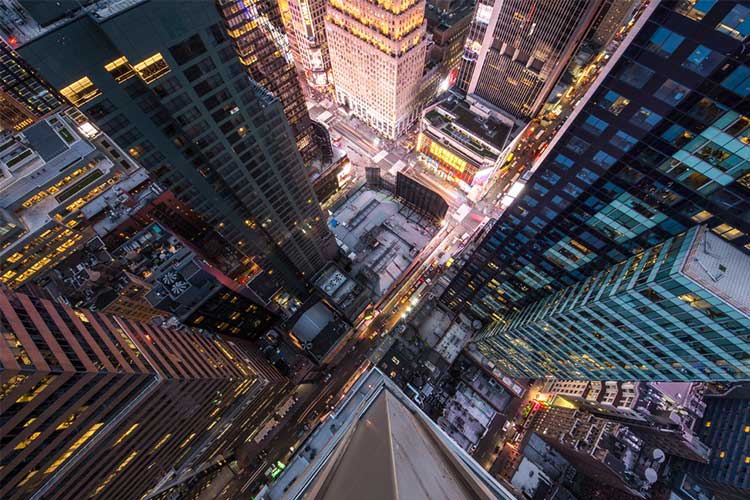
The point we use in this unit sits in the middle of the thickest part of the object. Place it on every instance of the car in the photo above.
(326, 377)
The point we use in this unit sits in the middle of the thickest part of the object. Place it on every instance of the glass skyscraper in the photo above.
(96, 406)
(659, 143)
(164, 79)
(678, 311)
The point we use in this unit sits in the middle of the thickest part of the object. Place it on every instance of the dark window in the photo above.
(227, 54)
(671, 92)
(187, 50)
(645, 118)
(167, 87)
(738, 81)
(101, 109)
(218, 35)
(635, 74)
(197, 70)
(115, 124)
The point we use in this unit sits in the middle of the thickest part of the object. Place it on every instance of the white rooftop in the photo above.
(720, 268)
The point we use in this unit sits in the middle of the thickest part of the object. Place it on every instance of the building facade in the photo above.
(98, 406)
(462, 143)
(178, 99)
(306, 26)
(658, 144)
(378, 55)
(256, 30)
(515, 50)
(24, 96)
(725, 427)
(54, 178)
(677, 312)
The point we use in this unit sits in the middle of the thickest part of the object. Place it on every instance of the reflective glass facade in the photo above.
(178, 99)
(658, 144)
(664, 314)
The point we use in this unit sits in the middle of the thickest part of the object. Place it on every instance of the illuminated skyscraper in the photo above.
(659, 143)
(378, 55)
(177, 98)
(256, 30)
(516, 50)
(98, 406)
(678, 311)
(306, 30)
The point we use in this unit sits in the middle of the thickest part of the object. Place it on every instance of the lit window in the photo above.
(708, 424)
(23, 444)
(747, 460)
(727, 232)
(747, 429)
(80, 92)
(120, 69)
(722, 454)
(737, 23)
(702, 216)
(152, 68)
(694, 9)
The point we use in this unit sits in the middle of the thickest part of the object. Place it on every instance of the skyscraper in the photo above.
(98, 406)
(658, 144)
(378, 55)
(678, 311)
(726, 429)
(24, 97)
(516, 50)
(173, 93)
(257, 34)
(306, 31)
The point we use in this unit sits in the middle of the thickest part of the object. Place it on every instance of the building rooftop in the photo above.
(379, 238)
(484, 135)
(26, 20)
(719, 267)
(377, 444)
(439, 20)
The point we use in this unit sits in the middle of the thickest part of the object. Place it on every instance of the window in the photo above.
(702, 216)
(727, 232)
(595, 125)
(80, 92)
(577, 145)
(702, 60)
(603, 159)
(564, 161)
(152, 68)
(694, 9)
(671, 92)
(120, 69)
(187, 50)
(678, 136)
(736, 23)
(623, 141)
(664, 42)
(100, 110)
(614, 102)
(635, 74)
(645, 118)
(586, 176)
(738, 81)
